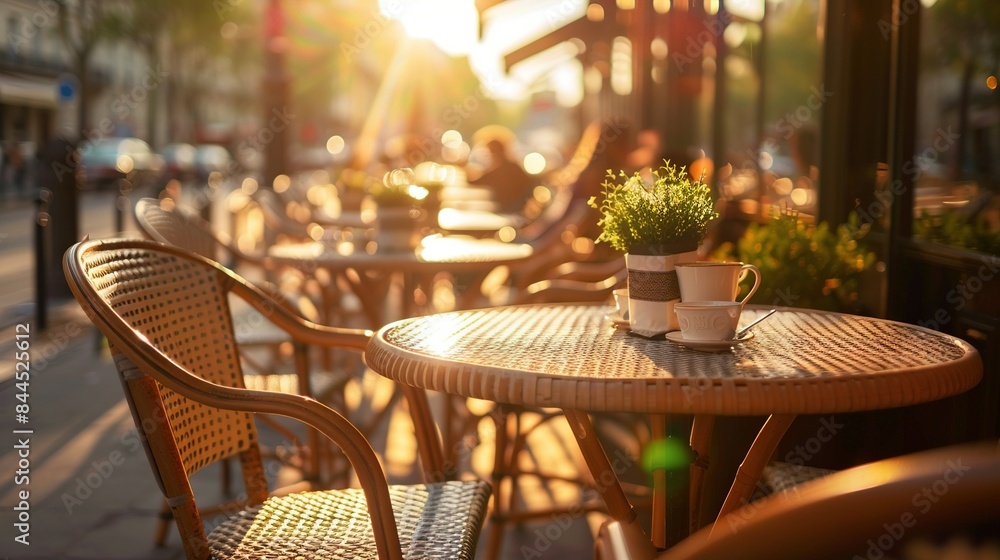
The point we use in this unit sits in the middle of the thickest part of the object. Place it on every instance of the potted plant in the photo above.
(351, 188)
(398, 210)
(656, 225)
(812, 265)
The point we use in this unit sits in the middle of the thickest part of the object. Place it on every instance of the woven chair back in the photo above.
(178, 303)
(164, 222)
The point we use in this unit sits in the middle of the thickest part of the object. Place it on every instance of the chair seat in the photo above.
(781, 477)
(440, 520)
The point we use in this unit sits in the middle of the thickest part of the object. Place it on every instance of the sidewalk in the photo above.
(90, 490)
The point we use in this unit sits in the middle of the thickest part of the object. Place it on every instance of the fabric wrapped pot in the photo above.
(397, 229)
(653, 290)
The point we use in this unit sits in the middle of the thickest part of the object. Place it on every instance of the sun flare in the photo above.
(453, 25)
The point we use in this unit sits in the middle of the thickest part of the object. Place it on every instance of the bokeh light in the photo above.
(534, 163)
(335, 144)
(281, 183)
(451, 138)
(666, 454)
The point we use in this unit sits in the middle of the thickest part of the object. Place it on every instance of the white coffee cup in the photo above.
(714, 281)
(708, 320)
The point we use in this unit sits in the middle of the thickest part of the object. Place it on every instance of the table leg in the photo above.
(372, 293)
(428, 442)
(748, 475)
(671, 486)
(605, 477)
(606, 482)
(701, 442)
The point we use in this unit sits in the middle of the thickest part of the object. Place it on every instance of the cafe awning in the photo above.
(16, 90)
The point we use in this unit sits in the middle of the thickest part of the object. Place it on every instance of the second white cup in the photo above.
(714, 281)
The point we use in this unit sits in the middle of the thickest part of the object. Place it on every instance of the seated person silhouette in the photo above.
(509, 184)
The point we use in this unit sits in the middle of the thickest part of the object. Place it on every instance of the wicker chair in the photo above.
(164, 221)
(871, 511)
(166, 315)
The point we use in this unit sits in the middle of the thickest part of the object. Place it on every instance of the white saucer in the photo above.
(707, 345)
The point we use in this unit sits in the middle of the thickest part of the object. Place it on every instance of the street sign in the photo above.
(67, 88)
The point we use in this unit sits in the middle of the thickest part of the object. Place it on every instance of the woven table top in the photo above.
(571, 357)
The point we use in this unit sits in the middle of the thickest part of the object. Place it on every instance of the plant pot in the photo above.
(653, 290)
(397, 228)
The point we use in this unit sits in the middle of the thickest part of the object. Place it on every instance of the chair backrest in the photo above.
(141, 294)
(274, 210)
(164, 221)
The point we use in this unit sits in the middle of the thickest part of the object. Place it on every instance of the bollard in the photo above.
(204, 203)
(57, 174)
(122, 204)
(42, 220)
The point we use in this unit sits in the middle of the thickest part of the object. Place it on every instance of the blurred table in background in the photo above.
(370, 273)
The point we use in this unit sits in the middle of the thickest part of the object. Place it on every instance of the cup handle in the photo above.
(756, 281)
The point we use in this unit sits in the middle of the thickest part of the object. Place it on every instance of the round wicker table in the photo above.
(435, 254)
(572, 357)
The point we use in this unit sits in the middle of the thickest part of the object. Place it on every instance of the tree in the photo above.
(186, 37)
(968, 39)
(82, 26)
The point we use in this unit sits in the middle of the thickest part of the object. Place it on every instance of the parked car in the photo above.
(311, 158)
(178, 161)
(109, 159)
(210, 158)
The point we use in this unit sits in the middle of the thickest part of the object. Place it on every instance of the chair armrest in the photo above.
(587, 271)
(150, 361)
(277, 311)
(553, 291)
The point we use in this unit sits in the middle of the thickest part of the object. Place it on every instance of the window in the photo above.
(955, 168)
(774, 95)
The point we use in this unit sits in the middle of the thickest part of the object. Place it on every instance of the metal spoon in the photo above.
(746, 329)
